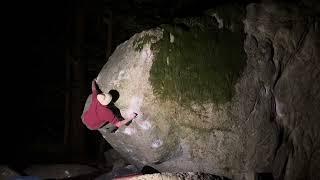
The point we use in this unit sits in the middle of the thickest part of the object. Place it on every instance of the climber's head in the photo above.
(104, 99)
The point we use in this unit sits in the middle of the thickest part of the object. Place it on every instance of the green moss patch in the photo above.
(200, 66)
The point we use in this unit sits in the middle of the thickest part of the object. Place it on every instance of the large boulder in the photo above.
(219, 101)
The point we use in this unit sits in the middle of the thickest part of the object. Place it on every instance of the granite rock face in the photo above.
(282, 45)
(267, 122)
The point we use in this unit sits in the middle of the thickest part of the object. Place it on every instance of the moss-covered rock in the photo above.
(197, 65)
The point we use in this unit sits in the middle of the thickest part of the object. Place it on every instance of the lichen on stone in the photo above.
(140, 42)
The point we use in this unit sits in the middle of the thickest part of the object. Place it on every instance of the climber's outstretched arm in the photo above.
(121, 123)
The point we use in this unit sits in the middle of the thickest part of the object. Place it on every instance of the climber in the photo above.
(99, 114)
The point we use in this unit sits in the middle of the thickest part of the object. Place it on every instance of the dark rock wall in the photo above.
(283, 44)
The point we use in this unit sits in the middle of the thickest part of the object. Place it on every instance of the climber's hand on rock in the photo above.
(134, 115)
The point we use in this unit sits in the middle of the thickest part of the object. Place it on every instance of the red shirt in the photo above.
(97, 115)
